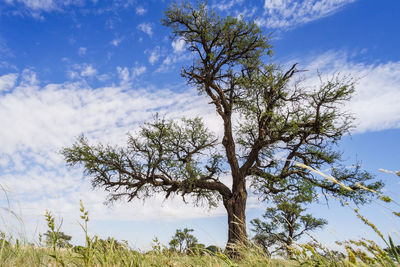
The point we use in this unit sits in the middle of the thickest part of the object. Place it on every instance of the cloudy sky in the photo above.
(104, 67)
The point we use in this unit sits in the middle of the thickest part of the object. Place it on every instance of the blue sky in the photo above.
(103, 67)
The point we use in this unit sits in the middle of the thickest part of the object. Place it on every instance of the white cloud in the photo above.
(127, 76)
(154, 55)
(141, 10)
(88, 71)
(375, 103)
(7, 81)
(29, 77)
(225, 5)
(246, 12)
(116, 41)
(82, 51)
(38, 8)
(289, 13)
(169, 63)
(45, 5)
(178, 45)
(35, 8)
(136, 71)
(123, 74)
(146, 28)
(81, 71)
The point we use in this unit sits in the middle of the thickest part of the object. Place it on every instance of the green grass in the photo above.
(305, 256)
(41, 256)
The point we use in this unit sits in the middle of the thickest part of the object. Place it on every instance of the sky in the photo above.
(102, 68)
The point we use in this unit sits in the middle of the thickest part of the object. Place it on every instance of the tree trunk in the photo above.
(236, 207)
(290, 239)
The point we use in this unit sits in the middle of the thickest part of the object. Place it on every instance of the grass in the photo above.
(43, 256)
(97, 252)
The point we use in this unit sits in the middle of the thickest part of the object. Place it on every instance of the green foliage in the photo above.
(285, 223)
(183, 241)
(59, 238)
(214, 249)
(393, 250)
(223, 43)
(182, 150)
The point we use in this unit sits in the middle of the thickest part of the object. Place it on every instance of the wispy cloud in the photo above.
(169, 62)
(38, 8)
(82, 51)
(88, 71)
(45, 5)
(35, 8)
(5, 54)
(136, 71)
(81, 71)
(281, 14)
(146, 28)
(154, 55)
(116, 41)
(141, 10)
(377, 89)
(226, 5)
(7, 81)
(178, 45)
(289, 13)
(126, 76)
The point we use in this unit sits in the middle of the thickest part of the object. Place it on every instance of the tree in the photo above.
(61, 237)
(285, 223)
(111, 244)
(214, 249)
(183, 241)
(270, 123)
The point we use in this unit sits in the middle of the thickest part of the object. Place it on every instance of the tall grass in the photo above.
(97, 252)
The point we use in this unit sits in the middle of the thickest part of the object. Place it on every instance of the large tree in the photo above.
(269, 123)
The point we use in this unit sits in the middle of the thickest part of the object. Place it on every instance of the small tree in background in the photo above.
(61, 237)
(214, 249)
(183, 240)
(285, 223)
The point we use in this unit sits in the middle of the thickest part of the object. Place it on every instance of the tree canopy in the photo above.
(183, 240)
(60, 239)
(285, 222)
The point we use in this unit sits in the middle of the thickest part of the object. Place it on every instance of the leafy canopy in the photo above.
(285, 222)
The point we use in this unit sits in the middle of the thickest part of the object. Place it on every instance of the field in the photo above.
(99, 255)
(110, 252)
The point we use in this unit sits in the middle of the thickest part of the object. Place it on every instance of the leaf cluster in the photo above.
(165, 156)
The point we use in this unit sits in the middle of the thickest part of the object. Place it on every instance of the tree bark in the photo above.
(236, 209)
